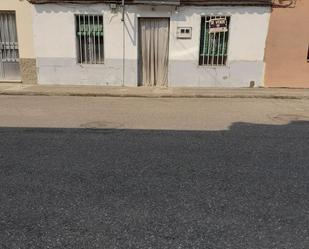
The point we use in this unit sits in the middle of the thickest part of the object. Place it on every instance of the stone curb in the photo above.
(153, 95)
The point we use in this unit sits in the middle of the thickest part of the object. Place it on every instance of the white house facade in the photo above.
(171, 45)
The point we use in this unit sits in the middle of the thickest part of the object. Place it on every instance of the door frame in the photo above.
(139, 64)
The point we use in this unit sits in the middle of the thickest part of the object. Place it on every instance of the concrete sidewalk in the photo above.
(179, 92)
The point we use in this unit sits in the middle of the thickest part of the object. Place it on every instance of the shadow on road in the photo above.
(246, 187)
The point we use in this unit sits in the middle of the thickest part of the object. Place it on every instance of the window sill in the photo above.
(90, 65)
(213, 67)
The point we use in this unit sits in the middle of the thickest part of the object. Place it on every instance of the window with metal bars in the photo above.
(8, 37)
(90, 39)
(214, 40)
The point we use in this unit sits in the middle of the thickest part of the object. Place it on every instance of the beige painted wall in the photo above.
(287, 46)
(24, 15)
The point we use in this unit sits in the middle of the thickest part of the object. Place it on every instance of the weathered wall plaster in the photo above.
(287, 47)
(24, 14)
(55, 45)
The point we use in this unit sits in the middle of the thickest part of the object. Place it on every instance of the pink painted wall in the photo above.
(287, 47)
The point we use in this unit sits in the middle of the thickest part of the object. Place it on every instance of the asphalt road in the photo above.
(245, 187)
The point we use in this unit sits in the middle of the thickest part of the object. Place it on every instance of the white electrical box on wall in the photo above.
(184, 32)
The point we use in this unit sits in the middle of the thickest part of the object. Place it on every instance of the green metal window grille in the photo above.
(90, 39)
(214, 41)
(93, 30)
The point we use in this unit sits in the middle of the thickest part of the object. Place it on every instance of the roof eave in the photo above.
(182, 2)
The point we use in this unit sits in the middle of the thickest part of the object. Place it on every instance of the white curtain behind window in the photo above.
(154, 38)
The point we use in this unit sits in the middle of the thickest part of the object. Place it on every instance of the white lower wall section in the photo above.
(67, 71)
(236, 74)
(56, 50)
